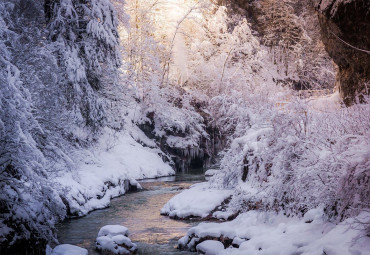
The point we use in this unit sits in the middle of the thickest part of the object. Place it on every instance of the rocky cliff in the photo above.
(345, 30)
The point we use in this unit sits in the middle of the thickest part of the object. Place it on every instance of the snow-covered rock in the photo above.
(210, 247)
(238, 241)
(113, 230)
(257, 232)
(223, 215)
(198, 201)
(134, 185)
(68, 249)
(113, 239)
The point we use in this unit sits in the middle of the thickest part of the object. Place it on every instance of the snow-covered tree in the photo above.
(29, 207)
(85, 34)
(56, 60)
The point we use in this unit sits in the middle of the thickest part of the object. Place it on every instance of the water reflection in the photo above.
(154, 234)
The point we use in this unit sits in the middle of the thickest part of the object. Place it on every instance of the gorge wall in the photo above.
(345, 30)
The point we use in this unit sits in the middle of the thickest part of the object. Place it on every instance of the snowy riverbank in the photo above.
(260, 232)
(111, 170)
(269, 233)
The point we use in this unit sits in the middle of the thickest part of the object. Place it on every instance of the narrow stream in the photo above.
(140, 213)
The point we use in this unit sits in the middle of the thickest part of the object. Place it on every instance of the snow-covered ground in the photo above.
(257, 232)
(198, 201)
(107, 171)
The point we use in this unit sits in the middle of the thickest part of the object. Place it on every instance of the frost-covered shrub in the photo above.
(305, 158)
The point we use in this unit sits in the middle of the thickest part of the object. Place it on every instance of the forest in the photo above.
(270, 96)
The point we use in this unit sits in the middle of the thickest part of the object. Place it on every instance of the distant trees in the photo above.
(143, 53)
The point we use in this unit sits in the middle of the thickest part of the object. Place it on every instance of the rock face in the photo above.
(187, 156)
(345, 29)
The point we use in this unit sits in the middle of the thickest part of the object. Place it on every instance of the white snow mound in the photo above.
(112, 239)
(68, 249)
(198, 201)
(210, 247)
(113, 230)
(267, 233)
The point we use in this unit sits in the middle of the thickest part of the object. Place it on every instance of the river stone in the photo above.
(113, 230)
(112, 239)
(68, 249)
(210, 247)
(237, 241)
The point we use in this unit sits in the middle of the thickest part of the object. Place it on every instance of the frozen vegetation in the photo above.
(96, 94)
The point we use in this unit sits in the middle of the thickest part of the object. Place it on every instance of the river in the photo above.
(140, 213)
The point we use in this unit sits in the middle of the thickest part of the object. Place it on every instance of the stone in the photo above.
(345, 31)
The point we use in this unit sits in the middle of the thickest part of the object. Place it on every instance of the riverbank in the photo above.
(110, 171)
(264, 232)
(140, 213)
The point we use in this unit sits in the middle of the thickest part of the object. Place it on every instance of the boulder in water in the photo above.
(210, 247)
(68, 249)
(113, 239)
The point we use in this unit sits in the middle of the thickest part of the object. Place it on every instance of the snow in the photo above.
(121, 239)
(113, 230)
(328, 103)
(107, 244)
(210, 247)
(68, 249)
(198, 201)
(238, 241)
(222, 215)
(102, 174)
(180, 142)
(313, 214)
(269, 233)
(129, 158)
(113, 238)
(211, 172)
(57, 137)
(133, 182)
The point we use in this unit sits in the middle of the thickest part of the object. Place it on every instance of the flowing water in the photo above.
(140, 213)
